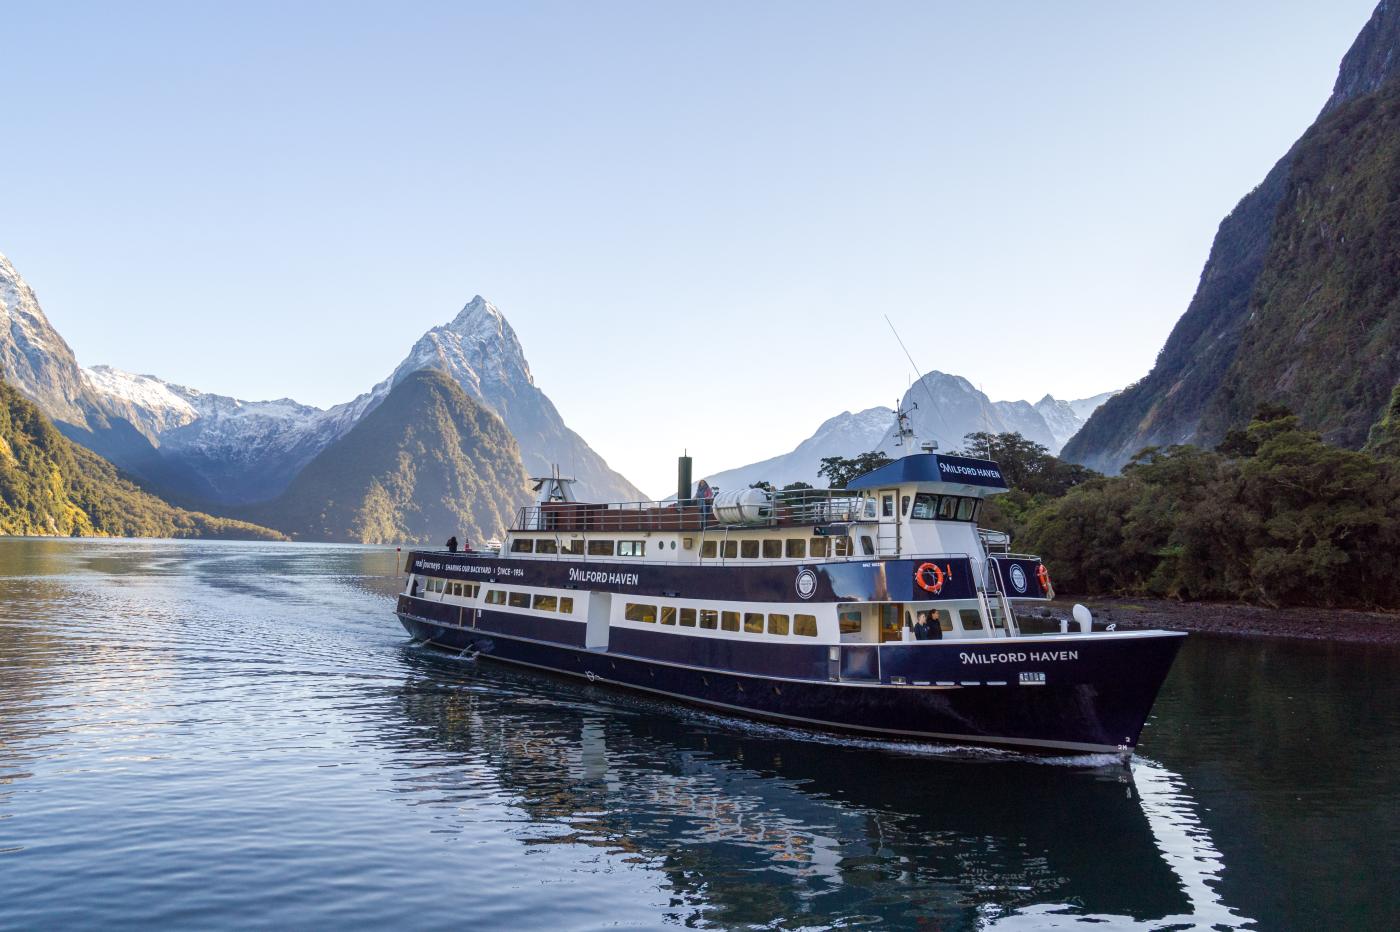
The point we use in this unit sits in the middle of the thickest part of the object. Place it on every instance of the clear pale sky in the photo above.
(694, 215)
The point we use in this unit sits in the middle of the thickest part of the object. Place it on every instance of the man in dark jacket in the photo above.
(452, 544)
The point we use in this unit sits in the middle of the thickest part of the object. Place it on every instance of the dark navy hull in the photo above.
(1095, 696)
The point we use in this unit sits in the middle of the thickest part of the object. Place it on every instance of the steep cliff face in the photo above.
(427, 463)
(1295, 277)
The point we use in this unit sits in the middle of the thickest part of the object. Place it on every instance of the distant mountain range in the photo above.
(215, 452)
(943, 409)
(51, 486)
(1299, 301)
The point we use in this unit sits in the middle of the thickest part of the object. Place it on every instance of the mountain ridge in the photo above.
(1220, 359)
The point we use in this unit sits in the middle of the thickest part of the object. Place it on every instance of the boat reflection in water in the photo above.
(748, 824)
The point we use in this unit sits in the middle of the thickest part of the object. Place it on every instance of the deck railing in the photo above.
(783, 509)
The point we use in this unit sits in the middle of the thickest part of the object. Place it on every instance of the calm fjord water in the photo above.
(229, 735)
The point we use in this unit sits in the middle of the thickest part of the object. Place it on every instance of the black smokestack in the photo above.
(683, 480)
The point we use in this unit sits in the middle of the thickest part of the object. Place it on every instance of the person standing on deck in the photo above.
(452, 544)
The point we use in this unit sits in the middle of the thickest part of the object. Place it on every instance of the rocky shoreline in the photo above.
(1308, 624)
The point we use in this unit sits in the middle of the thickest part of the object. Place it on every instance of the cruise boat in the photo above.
(878, 609)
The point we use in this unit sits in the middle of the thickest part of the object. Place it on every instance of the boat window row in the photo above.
(776, 548)
(927, 506)
(577, 547)
(448, 587)
(711, 619)
(540, 602)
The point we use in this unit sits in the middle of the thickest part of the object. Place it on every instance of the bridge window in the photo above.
(772, 550)
(804, 625)
(753, 622)
(519, 600)
(687, 618)
(729, 621)
(748, 549)
(646, 613)
(904, 503)
(709, 619)
(867, 544)
(522, 545)
(850, 623)
(668, 614)
(777, 624)
(967, 509)
(948, 508)
(600, 548)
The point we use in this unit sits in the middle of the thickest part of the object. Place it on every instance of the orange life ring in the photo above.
(1043, 575)
(923, 584)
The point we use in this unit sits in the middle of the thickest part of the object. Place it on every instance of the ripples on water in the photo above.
(219, 734)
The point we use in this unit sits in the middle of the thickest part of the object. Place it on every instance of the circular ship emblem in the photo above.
(806, 583)
(1018, 577)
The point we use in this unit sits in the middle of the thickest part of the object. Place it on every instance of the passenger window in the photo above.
(772, 550)
(687, 618)
(867, 545)
(731, 549)
(850, 623)
(843, 546)
(645, 613)
(970, 618)
(709, 619)
(904, 505)
(600, 548)
(522, 545)
(748, 549)
(631, 548)
(796, 548)
(546, 546)
(546, 603)
(945, 619)
(817, 547)
(967, 509)
(519, 600)
(777, 624)
(574, 548)
(729, 621)
(495, 597)
(709, 550)
(566, 605)
(668, 614)
(804, 625)
(753, 622)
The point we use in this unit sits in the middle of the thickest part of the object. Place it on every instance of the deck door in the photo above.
(887, 507)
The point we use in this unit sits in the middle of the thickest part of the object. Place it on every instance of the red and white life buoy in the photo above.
(922, 581)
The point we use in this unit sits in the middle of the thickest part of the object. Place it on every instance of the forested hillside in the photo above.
(52, 486)
(428, 463)
(1273, 515)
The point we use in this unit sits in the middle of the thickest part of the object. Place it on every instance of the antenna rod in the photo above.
(917, 371)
